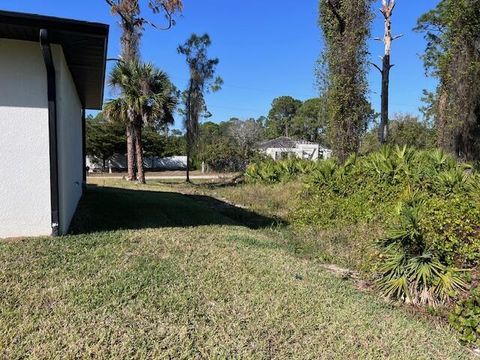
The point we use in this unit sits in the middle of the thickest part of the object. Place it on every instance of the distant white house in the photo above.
(284, 147)
(51, 70)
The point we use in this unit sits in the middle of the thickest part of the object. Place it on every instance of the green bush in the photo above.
(273, 172)
(409, 269)
(452, 228)
(466, 319)
(367, 190)
(426, 203)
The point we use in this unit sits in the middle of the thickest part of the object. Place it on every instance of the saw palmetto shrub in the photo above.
(409, 268)
(272, 172)
(372, 190)
(367, 190)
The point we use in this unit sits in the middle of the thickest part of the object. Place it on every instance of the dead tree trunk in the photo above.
(387, 11)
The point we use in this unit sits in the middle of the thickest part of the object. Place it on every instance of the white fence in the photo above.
(119, 163)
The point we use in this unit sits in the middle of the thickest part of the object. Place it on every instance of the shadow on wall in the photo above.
(108, 209)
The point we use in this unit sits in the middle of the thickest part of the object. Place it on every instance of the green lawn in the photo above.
(152, 273)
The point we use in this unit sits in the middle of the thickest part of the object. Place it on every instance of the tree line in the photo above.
(231, 145)
(341, 117)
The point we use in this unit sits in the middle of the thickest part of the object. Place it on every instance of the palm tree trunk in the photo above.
(130, 153)
(139, 153)
(189, 151)
(189, 129)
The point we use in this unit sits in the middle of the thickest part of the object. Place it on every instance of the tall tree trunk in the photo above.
(139, 154)
(130, 41)
(189, 125)
(387, 11)
(383, 128)
(130, 153)
(189, 150)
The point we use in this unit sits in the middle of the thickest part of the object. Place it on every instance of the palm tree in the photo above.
(132, 24)
(202, 71)
(147, 97)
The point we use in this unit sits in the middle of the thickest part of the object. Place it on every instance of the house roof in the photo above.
(283, 143)
(84, 45)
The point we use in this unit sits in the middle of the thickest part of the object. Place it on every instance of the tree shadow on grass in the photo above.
(108, 209)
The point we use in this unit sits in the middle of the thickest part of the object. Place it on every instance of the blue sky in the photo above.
(267, 48)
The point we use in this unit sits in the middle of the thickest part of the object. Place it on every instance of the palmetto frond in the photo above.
(116, 110)
(408, 270)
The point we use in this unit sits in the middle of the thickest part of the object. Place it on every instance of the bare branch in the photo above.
(397, 37)
(392, 5)
(378, 39)
(114, 6)
(111, 3)
(377, 67)
(114, 59)
(387, 8)
(169, 16)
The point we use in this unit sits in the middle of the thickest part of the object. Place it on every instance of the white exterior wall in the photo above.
(24, 142)
(69, 137)
(308, 151)
(326, 153)
(25, 203)
(302, 151)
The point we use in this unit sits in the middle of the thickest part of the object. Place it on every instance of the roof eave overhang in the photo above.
(84, 45)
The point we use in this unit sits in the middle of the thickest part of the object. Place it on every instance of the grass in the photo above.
(344, 246)
(183, 280)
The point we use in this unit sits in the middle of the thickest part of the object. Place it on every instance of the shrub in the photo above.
(271, 172)
(409, 269)
(452, 227)
(366, 192)
(466, 319)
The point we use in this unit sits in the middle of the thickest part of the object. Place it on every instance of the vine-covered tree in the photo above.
(132, 23)
(452, 31)
(346, 28)
(202, 80)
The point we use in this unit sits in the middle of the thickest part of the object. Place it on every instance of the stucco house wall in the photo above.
(25, 203)
(51, 70)
(309, 152)
(69, 130)
(24, 148)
